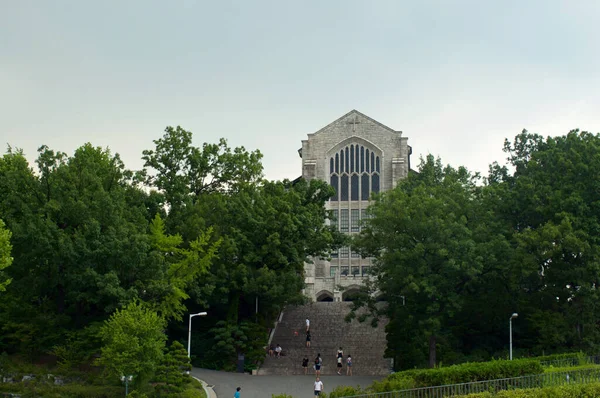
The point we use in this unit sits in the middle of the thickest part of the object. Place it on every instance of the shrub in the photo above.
(345, 391)
(567, 391)
(464, 373)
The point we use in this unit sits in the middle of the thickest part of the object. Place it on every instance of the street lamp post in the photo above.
(510, 333)
(190, 331)
(126, 380)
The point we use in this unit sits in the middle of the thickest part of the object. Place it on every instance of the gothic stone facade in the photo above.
(357, 156)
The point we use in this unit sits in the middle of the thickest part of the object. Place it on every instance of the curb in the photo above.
(210, 393)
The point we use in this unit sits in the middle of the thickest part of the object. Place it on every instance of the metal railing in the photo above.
(533, 381)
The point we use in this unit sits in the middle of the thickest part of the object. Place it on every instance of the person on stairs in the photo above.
(349, 366)
(318, 363)
(278, 350)
(305, 364)
(308, 338)
(339, 365)
(307, 324)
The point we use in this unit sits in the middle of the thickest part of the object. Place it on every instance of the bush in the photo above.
(558, 357)
(567, 391)
(345, 391)
(66, 391)
(464, 373)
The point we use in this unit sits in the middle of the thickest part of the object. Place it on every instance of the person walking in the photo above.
(318, 387)
(308, 338)
(339, 360)
(349, 366)
(237, 392)
(318, 362)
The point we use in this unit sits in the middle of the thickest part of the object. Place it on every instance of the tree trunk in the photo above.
(432, 351)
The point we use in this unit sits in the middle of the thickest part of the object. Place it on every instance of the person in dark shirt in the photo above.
(305, 365)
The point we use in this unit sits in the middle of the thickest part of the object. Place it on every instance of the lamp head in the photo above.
(514, 315)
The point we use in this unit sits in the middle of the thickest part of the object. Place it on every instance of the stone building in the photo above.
(357, 155)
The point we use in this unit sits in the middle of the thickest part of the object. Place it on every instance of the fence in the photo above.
(534, 381)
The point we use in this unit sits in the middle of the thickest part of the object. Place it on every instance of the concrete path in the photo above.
(263, 386)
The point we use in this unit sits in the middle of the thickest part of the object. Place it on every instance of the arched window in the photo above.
(334, 184)
(354, 187)
(346, 154)
(364, 187)
(344, 188)
(355, 172)
(362, 159)
(372, 162)
(375, 183)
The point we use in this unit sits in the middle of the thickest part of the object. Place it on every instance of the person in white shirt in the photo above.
(307, 324)
(318, 387)
(278, 351)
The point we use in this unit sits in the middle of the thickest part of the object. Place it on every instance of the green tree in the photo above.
(133, 342)
(182, 267)
(427, 254)
(80, 244)
(172, 373)
(5, 257)
(551, 203)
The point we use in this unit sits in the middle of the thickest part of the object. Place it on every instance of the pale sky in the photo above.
(456, 77)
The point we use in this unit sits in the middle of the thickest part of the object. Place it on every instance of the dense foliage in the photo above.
(456, 255)
(106, 260)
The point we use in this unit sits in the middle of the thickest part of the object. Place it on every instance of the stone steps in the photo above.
(329, 331)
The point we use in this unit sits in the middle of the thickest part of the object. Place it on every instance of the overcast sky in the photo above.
(457, 77)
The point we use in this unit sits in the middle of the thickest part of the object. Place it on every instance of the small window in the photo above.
(331, 168)
(367, 161)
(354, 221)
(334, 221)
(344, 221)
(344, 270)
(344, 252)
(351, 158)
(337, 163)
(333, 271)
(355, 271)
(342, 161)
(377, 164)
(334, 254)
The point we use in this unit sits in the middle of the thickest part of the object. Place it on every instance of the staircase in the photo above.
(329, 331)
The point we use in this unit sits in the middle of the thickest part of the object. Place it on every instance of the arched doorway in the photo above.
(324, 295)
(351, 293)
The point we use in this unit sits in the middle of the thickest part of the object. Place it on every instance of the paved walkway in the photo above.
(225, 383)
